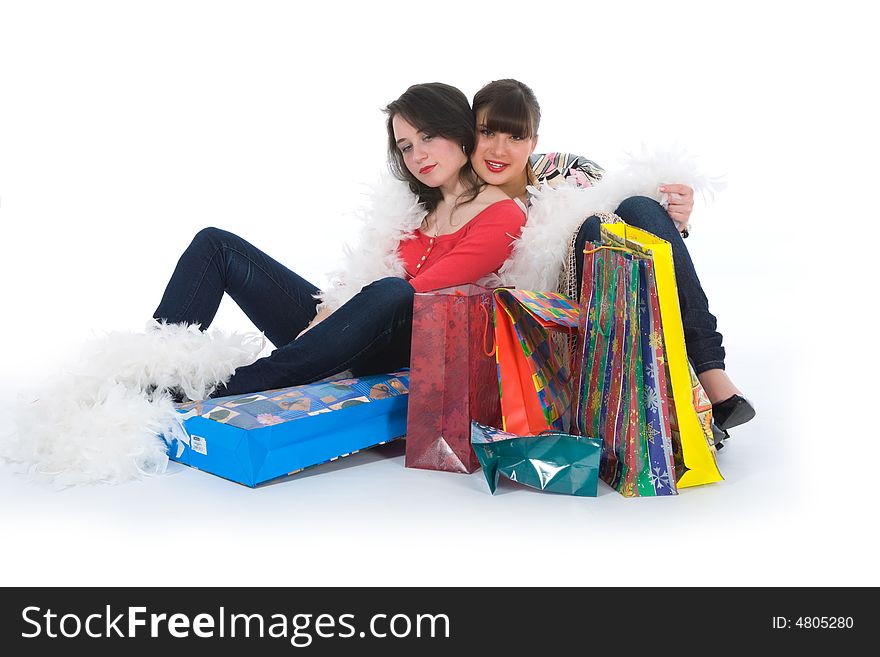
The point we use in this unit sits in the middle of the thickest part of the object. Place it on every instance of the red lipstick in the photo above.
(496, 167)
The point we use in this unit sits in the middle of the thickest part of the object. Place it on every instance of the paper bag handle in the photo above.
(486, 331)
(610, 248)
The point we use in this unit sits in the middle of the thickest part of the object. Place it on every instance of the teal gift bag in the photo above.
(552, 461)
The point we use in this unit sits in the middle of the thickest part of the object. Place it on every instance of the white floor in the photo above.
(369, 520)
(102, 186)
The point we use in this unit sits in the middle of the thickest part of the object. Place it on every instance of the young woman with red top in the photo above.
(507, 118)
(466, 233)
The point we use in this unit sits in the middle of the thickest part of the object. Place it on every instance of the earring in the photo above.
(463, 149)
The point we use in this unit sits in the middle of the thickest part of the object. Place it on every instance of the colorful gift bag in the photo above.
(690, 411)
(453, 378)
(659, 436)
(255, 437)
(622, 396)
(553, 461)
(532, 375)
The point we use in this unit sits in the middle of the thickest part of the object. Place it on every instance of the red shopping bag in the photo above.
(453, 378)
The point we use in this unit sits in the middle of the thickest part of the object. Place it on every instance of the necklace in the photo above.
(434, 236)
(437, 221)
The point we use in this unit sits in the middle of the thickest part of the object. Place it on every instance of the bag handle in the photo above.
(486, 331)
(610, 248)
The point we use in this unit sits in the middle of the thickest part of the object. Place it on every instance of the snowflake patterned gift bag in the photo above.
(452, 378)
(690, 412)
(622, 393)
(658, 433)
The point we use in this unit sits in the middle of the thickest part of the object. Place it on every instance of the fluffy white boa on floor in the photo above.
(539, 255)
(110, 418)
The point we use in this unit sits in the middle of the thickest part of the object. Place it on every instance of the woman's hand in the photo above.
(681, 204)
(323, 314)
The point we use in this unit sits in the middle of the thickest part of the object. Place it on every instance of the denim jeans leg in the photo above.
(278, 301)
(369, 334)
(588, 232)
(702, 339)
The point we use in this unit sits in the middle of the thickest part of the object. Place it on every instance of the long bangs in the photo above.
(510, 114)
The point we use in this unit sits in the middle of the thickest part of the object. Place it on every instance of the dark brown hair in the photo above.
(510, 106)
(439, 110)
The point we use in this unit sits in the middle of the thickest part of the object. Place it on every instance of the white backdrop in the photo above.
(125, 127)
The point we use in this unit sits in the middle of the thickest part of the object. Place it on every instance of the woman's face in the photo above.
(500, 158)
(434, 161)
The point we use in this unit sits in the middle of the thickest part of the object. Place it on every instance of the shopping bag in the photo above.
(533, 377)
(621, 393)
(453, 377)
(552, 461)
(658, 409)
(690, 412)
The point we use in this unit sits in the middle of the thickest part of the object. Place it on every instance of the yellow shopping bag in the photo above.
(692, 410)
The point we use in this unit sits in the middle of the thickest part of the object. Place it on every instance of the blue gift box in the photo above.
(261, 436)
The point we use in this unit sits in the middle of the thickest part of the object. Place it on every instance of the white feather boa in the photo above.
(104, 421)
(391, 215)
(555, 213)
(539, 254)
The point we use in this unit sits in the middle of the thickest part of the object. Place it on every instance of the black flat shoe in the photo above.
(732, 412)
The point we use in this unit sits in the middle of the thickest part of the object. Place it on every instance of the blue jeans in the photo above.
(701, 338)
(368, 335)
